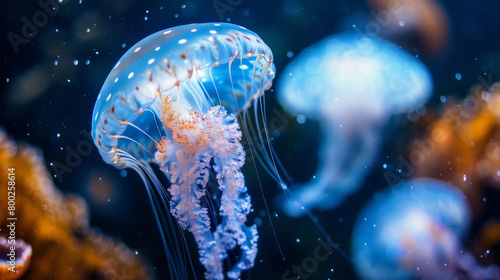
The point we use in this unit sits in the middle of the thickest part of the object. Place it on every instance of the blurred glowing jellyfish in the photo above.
(351, 85)
(170, 101)
(414, 231)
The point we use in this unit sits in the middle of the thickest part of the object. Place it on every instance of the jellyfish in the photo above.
(171, 101)
(415, 231)
(351, 85)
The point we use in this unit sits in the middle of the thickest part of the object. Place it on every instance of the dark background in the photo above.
(41, 100)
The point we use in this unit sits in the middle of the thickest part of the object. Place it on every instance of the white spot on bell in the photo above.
(137, 50)
(130, 75)
(109, 96)
(182, 41)
(151, 61)
(193, 30)
(213, 32)
(167, 32)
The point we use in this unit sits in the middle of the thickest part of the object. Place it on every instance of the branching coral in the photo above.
(56, 225)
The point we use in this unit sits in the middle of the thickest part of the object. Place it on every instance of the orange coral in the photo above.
(18, 255)
(465, 144)
(56, 225)
(427, 17)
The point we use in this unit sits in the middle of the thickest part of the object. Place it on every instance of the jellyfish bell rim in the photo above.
(299, 78)
(143, 47)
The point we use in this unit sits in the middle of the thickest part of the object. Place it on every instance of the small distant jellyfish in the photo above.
(415, 231)
(171, 101)
(352, 85)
